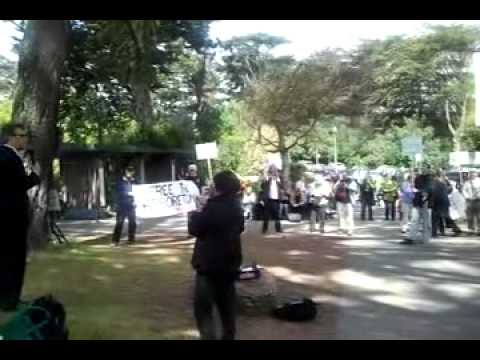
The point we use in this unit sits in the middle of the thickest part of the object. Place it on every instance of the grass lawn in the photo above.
(139, 292)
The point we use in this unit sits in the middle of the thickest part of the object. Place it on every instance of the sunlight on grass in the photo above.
(116, 293)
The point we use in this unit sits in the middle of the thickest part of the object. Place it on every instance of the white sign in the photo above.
(412, 145)
(464, 158)
(165, 199)
(206, 151)
(476, 73)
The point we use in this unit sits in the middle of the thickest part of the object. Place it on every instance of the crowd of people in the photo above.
(426, 203)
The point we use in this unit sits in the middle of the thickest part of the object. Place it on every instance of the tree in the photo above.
(425, 78)
(43, 52)
(238, 149)
(139, 49)
(289, 101)
(246, 57)
(7, 77)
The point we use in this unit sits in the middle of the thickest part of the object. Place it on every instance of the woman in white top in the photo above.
(54, 209)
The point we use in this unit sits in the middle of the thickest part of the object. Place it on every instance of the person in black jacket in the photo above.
(272, 192)
(14, 214)
(126, 207)
(217, 255)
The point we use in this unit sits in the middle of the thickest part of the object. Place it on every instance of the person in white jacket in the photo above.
(344, 199)
(457, 204)
(471, 192)
(319, 194)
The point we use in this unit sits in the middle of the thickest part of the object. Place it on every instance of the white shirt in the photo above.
(321, 190)
(471, 189)
(274, 193)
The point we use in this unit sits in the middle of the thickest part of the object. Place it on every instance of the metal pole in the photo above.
(210, 172)
(335, 148)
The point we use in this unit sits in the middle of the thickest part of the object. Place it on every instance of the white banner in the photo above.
(165, 199)
(476, 72)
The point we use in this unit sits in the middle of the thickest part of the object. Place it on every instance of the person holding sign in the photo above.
(126, 207)
(217, 255)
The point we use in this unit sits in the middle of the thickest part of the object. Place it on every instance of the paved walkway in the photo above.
(393, 291)
(384, 290)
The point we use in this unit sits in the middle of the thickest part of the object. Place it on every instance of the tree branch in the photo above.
(449, 120)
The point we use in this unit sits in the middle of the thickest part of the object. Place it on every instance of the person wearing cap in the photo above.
(217, 256)
(126, 207)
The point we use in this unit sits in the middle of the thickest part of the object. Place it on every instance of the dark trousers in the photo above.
(132, 225)
(54, 228)
(272, 211)
(210, 292)
(437, 222)
(13, 259)
(440, 220)
(366, 205)
(318, 214)
(390, 210)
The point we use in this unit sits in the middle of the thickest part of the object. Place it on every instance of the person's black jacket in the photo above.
(424, 185)
(14, 184)
(367, 192)
(265, 189)
(124, 187)
(440, 201)
(218, 226)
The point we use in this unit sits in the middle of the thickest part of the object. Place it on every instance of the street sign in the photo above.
(464, 158)
(412, 145)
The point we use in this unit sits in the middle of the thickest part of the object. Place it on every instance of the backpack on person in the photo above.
(296, 310)
(341, 194)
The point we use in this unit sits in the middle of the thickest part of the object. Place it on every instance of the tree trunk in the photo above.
(285, 167)
(142, 101)
(42, 57)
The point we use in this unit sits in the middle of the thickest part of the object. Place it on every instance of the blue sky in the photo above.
(305, 36)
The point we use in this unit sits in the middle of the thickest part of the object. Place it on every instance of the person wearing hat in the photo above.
(126, 207)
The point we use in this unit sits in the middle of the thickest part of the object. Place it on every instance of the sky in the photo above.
(309, 36)
(305, 36)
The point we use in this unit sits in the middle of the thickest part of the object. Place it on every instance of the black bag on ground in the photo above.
(296, 310)
(249, 272)
(55, 327)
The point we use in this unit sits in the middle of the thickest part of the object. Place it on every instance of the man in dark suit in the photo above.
(125, 207)
(272, 191)
(14, 214)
